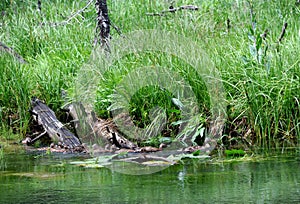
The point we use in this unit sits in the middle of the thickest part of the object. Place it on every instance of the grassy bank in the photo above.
(260, 75)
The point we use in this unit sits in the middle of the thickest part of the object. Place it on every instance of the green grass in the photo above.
(261, 77)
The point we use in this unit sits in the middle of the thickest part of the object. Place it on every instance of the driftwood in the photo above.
(52, 126)
(97, 131)
(100, 135)
(103, 134)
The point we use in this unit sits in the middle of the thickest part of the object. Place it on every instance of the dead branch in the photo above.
(117, 29)
(5, 48)
(65, 22)
(282, 32)
(173, 10)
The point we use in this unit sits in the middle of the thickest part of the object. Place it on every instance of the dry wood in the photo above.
(55, 129)
(97, 131)
(72, 16)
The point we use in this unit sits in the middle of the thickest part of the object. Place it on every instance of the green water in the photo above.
(51, 179)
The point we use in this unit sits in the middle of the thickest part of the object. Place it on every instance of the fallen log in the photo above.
(94, 130)
(44, 116)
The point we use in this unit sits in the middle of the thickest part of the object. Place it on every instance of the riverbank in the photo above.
(255, 48)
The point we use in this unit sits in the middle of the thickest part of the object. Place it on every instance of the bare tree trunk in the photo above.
(103, 24)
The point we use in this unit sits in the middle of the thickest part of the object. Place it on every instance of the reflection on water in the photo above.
(50, 179)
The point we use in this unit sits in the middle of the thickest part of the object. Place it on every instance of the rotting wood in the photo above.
(108, 130)
(54, 128)
(95, 131)
(109, 138)
(102, 135)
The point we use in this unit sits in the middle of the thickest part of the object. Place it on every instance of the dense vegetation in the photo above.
(259, 64)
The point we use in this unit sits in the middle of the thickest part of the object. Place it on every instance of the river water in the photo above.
(32, 178)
